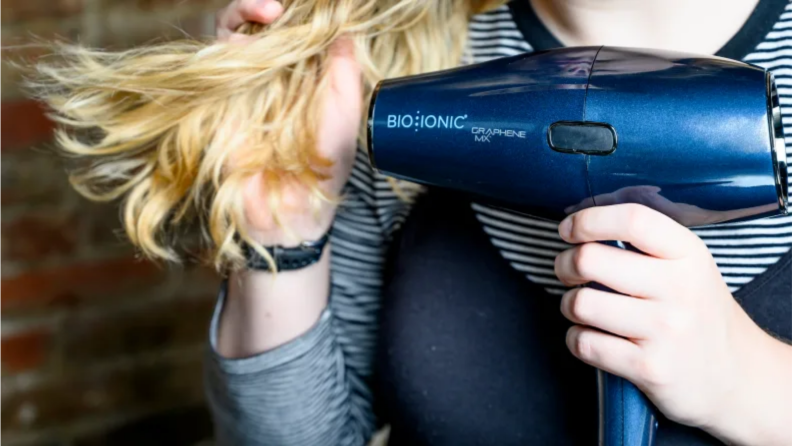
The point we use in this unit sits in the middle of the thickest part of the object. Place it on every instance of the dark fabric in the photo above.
(768, 298)
(531, 27)
(472, 353)
(744, 41)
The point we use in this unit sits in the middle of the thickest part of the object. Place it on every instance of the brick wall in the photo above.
(98, 347)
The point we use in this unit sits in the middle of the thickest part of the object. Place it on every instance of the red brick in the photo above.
(72, 284)
(25, 351)
(86, 394)
(169, 324)
(40, 208)
(58, 217)
(33, 177)
(22, 46)
(182, 426)
(102, 225)
(24, 124)
(120, 33)
(39, 235)
(17, 10)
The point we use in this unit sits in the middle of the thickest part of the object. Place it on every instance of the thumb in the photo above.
(261, 11)
(345, 83)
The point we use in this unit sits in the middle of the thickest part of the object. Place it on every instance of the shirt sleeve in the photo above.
(315, 390)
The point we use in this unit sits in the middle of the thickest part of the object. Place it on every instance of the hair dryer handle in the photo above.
(626, 416)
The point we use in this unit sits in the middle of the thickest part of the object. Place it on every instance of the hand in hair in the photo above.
(299, 212)
(301, 215)
(239, 12)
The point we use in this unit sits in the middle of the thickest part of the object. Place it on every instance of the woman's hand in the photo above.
(336, 135)
(676, 332)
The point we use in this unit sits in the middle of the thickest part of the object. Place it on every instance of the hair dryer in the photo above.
(698, 138)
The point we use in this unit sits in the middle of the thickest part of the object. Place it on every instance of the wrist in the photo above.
(280, 258)
(769, 399)
(291, 237)
(758, 410)
(295, 229)
(264, 310)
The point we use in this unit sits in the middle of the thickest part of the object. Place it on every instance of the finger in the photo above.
(604, 351)
(646, 229)
(228, 19)
(624, 271)
(614, 313)
(345, 68)
(344, 101)
(260, 11)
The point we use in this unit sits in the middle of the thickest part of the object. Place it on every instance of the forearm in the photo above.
(263, 310)
(761, 411)
(304, 349)
(769, 405)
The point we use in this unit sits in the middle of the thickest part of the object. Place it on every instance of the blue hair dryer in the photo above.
(698, 138)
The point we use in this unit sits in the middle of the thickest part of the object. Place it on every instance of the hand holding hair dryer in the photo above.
(698, 138)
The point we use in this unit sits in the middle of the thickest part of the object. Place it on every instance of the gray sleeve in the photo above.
(315, 390)
(292, 395)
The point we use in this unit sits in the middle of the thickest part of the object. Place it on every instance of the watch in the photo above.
(287, 259)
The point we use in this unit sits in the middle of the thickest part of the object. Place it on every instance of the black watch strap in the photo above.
(288, 259)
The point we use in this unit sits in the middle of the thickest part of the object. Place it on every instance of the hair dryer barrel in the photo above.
(551, 132)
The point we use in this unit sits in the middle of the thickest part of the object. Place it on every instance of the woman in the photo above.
(424, 318)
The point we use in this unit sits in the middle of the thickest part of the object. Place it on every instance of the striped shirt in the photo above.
(315, 389)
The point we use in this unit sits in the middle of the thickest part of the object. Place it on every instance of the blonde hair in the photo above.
(157, 125)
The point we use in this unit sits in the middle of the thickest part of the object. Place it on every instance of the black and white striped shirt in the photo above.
(314, 390)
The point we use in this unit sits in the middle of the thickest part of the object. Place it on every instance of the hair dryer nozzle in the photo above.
(778, 144)
(370, 125)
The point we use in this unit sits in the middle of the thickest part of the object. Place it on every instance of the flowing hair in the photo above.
(157, 125)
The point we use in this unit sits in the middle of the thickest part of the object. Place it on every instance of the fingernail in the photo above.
(565, 228)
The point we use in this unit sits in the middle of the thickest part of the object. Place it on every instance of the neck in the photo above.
(700, 26)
